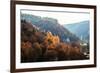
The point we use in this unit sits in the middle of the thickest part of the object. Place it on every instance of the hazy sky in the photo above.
(62, 17)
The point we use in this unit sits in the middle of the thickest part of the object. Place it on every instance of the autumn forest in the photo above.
(40, 46)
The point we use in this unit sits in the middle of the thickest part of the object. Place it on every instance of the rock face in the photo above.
(49, 24)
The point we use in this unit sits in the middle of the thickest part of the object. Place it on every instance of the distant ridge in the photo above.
(81, 29)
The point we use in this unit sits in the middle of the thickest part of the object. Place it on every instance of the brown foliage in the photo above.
(67, 52)
(51, 55)
(37, 48)
(26, 45)
(28, 54)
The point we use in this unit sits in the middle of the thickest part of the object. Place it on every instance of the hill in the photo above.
(80, 29)
(46, 24)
